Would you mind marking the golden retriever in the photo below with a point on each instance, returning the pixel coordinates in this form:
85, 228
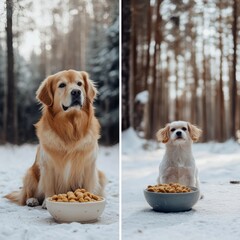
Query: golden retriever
68, 134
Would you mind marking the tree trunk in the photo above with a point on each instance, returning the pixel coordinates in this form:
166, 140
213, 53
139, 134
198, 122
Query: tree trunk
157, 88
11, 116
204, 101
150, 130
234, 81
221, 95
195, 110
133, 62
126, 20
149, 34
176, 49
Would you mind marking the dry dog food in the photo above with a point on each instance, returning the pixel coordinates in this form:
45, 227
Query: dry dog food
79, 195
169, 188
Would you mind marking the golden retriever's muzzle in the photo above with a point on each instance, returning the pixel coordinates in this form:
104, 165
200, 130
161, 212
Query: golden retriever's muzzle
75, 99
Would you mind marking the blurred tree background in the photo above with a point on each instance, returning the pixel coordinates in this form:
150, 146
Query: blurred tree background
183, 65
39, 38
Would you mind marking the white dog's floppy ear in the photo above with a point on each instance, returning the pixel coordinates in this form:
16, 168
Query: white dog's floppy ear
90, 88
45, 93
163, 134
194, 132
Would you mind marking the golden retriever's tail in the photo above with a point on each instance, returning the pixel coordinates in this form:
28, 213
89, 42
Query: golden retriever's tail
30, 184
15, 197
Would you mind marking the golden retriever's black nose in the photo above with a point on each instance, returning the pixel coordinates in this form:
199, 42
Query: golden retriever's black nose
75, 92
179, 134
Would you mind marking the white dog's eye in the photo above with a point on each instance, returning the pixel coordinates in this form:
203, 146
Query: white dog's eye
79, 84
184, 129
173, 129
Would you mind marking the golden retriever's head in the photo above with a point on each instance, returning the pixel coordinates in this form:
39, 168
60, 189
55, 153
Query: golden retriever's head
67, 91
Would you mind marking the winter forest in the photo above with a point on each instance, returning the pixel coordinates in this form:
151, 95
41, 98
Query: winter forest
180, 62
40, 38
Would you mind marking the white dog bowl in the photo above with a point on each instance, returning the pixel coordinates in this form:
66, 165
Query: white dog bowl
75, 211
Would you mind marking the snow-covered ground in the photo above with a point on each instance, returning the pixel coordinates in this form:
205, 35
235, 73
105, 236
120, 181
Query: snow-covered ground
18, 222
217, 216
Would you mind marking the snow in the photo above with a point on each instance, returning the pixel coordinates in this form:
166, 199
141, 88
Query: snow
142, 97
17, 222
216, 216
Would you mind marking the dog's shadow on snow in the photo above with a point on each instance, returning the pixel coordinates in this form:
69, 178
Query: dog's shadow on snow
147, 210
47, 221
165, 219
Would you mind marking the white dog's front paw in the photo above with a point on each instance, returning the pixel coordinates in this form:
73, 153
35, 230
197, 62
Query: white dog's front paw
32, 202
44, 204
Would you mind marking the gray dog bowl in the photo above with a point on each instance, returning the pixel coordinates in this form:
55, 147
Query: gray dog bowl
172, 202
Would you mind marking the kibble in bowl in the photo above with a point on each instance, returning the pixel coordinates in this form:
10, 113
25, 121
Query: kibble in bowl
77, 206
169, 188
173, 197
79, 195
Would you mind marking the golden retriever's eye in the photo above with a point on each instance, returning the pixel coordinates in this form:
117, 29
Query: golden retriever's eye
184, 129
62, 85
173, 129
79, 84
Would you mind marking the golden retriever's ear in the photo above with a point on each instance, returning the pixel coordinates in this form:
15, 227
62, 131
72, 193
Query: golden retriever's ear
45, 93
90, 88
163, 134
194, 132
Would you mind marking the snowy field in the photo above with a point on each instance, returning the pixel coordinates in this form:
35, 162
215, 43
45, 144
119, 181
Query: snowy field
217, 216
17, 223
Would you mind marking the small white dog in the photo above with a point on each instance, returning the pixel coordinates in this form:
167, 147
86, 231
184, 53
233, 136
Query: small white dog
178, 164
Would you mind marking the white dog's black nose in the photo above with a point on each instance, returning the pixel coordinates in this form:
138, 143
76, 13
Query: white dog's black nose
179, 134
75, 92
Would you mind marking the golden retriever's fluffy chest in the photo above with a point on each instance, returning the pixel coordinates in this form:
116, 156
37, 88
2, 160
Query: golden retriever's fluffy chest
69, 170
53, 141
70, 162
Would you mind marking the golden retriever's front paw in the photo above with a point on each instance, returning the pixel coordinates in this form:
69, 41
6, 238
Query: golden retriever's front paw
32, 202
